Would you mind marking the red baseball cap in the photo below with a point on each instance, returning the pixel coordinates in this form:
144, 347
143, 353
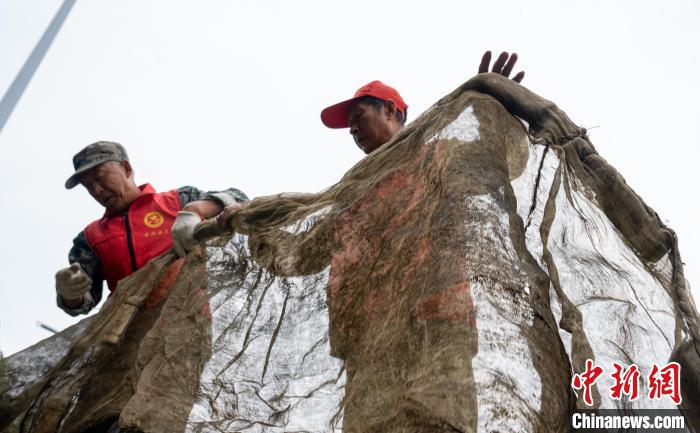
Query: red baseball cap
336, 116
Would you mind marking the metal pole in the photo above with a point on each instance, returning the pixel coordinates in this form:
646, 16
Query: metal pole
14, 93
47, 327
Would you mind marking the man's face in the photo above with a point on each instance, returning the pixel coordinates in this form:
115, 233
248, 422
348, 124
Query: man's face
111, 184
370, 127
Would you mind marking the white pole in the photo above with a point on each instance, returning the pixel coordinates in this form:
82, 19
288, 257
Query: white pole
16, 89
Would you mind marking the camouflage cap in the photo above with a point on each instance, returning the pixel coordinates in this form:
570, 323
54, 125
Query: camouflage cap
94, 155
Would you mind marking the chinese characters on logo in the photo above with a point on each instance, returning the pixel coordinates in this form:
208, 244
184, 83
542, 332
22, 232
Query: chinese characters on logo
665, 382
661, 382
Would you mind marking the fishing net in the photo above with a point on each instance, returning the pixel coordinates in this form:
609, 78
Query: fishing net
453, 280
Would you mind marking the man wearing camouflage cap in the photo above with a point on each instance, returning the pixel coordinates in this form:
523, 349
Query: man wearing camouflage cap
138, 224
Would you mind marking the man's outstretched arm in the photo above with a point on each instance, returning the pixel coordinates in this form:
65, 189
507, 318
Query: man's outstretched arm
198, 205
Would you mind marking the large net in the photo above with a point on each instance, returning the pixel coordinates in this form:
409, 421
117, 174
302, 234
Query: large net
453, 280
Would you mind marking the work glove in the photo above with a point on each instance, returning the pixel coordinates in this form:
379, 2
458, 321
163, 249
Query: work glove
72, 283
183, 232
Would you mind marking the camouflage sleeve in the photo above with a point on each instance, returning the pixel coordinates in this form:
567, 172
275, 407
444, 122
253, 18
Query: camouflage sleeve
226, 197
91, 265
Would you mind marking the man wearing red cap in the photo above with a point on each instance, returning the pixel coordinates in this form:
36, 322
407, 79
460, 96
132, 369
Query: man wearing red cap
374, 115
377, 112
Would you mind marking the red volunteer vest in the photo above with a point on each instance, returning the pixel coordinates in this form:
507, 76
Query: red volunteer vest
125, 242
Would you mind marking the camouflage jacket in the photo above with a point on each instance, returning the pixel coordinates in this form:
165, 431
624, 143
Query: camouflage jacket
82, 253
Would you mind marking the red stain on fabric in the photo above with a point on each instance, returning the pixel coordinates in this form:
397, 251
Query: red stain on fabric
368, 234
167, 279
453, 303
204, 299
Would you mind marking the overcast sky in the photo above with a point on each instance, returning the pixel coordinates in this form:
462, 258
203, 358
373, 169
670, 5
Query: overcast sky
223, 93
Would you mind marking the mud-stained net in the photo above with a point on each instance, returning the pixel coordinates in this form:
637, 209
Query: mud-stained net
451, 281
270, 368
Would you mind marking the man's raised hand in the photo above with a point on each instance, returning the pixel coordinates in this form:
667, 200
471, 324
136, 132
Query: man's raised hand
504, 65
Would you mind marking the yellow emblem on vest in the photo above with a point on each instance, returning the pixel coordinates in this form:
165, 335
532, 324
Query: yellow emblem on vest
153, 219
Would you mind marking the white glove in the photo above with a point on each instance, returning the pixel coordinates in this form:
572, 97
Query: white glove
72, 283
183, 232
